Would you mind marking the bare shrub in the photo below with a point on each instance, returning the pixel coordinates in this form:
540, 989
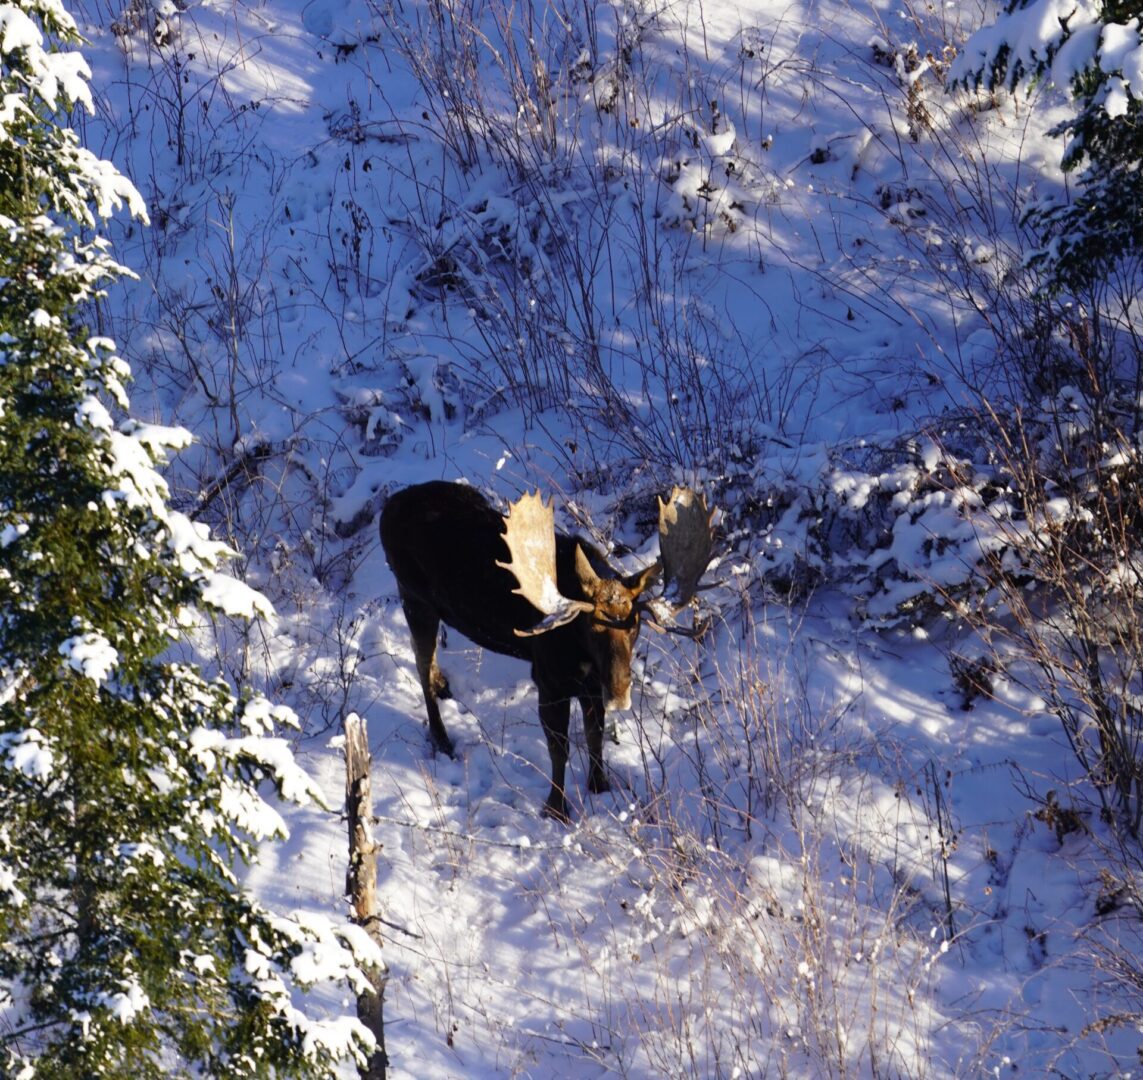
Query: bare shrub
809, 925
1067, 587
1043, 465
615, 174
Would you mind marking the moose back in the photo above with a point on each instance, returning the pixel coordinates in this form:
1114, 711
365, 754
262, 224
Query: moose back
512, 585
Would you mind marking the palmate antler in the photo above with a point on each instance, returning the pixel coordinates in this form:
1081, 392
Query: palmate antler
530, 535
685, 541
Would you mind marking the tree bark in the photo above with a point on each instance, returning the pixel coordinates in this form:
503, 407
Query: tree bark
361, 884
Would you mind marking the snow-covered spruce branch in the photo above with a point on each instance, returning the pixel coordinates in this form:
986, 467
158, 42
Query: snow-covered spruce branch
130, 785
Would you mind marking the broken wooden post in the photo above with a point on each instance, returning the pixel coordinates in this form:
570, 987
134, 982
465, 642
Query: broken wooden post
361, 884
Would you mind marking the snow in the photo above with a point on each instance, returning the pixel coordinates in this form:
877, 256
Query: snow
813, 856
1076, 54
91, 654
27, 752
8, 886
17, 31
142, 850
125, 1004
362, 945
235, 598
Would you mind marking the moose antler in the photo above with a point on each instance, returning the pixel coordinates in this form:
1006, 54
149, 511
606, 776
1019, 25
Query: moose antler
530, 535
685, 543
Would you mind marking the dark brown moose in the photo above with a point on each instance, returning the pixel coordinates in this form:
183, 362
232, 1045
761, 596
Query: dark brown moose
513, 585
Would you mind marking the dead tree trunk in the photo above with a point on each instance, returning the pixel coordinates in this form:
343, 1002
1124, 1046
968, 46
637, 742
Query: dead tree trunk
361, 884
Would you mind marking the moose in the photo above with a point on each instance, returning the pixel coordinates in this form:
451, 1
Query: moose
513, 585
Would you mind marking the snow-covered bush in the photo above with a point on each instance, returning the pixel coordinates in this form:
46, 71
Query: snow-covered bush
131, 785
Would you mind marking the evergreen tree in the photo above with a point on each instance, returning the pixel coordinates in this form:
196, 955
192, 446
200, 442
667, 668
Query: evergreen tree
1096, 49
129, 783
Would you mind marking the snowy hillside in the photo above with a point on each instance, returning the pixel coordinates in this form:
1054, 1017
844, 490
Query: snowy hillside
756, 248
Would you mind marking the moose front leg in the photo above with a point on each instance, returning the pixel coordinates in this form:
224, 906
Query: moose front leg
554, 716
593, 726
423, 626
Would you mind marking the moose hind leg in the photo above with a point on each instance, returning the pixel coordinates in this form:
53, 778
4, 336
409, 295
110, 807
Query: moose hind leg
593, 726
554, 717
423, 627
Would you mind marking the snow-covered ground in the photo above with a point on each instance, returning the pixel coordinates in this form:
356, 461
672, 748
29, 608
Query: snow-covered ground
724, 249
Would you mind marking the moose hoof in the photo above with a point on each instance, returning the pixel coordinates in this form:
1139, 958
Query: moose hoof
597, 783
441, 744
557, 808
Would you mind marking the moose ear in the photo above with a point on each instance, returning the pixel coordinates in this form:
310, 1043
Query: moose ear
588, 578
641, 580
